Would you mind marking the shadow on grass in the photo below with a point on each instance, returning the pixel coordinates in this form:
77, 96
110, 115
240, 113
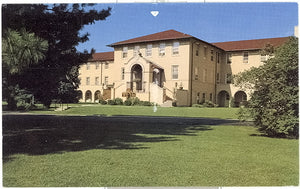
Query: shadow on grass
45, 134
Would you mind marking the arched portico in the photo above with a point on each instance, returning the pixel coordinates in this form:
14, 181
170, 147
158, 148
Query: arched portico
88, 96
97, 96
223, 99
79, 95
239, 98
136, 78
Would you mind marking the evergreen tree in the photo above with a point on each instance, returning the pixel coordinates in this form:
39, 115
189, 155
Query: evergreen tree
59, 25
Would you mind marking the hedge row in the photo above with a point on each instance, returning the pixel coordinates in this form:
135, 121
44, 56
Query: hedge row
129, 102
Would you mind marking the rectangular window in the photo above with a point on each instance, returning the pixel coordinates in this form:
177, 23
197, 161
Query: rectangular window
205, 52
149, 50
229, 57
228, 78
176, 48
210, 96
175, 72
87, 81
162, 48
106, 66
106, 80
263, 58
205, 75
96, 80
125, 52
245, 57
122, 73
136, 50
218, 57
197, 52
88, 66
203, 96
196, 73
97, 66
212, 55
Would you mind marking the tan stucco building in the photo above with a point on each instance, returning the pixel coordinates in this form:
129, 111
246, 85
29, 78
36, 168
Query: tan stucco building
171, 66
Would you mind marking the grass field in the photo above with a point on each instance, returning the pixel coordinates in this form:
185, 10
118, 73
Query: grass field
56, 151
96, 109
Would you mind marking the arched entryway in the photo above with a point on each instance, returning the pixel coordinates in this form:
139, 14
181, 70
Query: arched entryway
136, 77
79, 95
223, 99
97, 96
88, 96
239, 98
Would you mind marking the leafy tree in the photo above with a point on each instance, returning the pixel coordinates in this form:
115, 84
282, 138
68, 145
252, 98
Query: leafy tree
274, 101
19, 51
59, 24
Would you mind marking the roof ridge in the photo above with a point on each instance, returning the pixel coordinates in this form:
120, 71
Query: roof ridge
251, 39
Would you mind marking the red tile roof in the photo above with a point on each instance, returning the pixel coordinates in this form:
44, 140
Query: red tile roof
104, 56
251, 44
165, 35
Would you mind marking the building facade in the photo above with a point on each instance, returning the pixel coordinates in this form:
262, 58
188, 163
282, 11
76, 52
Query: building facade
171, 66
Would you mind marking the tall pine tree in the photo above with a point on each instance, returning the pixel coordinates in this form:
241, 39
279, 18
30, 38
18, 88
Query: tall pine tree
59, 25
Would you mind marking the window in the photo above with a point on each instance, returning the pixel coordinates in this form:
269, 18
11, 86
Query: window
106, 66
88, 66
203, 96
210, 96
196, 73
212, 55
96, 80
125, 52
229, 57
97, 66
122, 73
136, 50
87, 81
263, 58
245, 58
106, 80
162, 47
176, 48
149, 50
205, 75
218, 77
205, 51
175, 72
218, 57
197, 52
228, 78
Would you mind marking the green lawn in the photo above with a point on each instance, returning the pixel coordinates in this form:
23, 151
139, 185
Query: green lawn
96, 109
56, 151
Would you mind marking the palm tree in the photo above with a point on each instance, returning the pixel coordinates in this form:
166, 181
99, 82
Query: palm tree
20, 49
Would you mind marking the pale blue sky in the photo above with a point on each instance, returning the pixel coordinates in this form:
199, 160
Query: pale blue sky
211, 22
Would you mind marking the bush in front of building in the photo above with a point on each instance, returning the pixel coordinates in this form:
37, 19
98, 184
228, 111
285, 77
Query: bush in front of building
111, 102
119, 101
198, 106
103, 102
205, 104
146, 103
135, 101
127, 102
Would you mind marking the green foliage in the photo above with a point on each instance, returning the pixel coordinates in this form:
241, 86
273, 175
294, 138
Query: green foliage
198, 106
146, 103
274, 104
127, 102
111, 102
134, 101
119, 101
60, 26
103, 102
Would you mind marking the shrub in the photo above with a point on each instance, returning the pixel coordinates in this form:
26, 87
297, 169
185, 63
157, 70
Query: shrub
119, 101
209, 104
135, 101
103, 102
111, 102
197, 105
127, 102
174, 103
146, 103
